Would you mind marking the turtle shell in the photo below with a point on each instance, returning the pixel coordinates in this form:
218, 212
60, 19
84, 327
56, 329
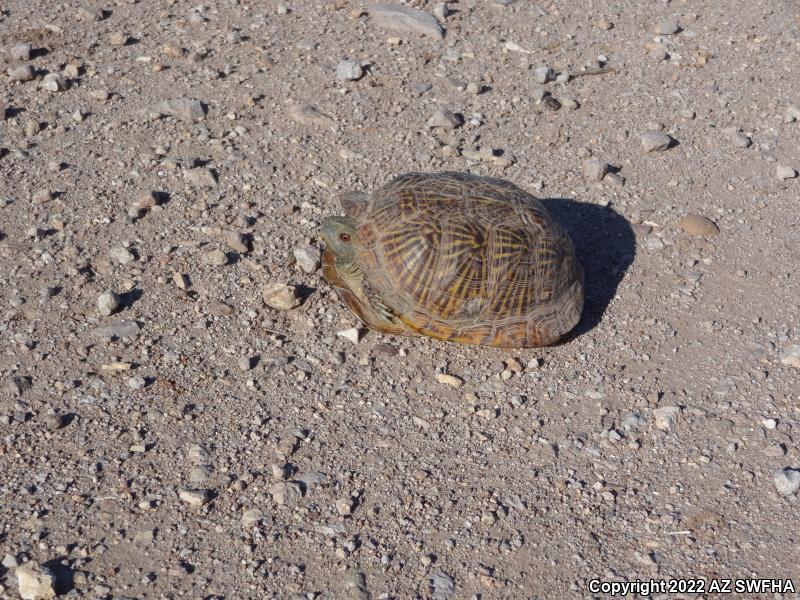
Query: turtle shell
470, 259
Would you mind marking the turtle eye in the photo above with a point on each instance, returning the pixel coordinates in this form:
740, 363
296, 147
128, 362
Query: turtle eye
345, 237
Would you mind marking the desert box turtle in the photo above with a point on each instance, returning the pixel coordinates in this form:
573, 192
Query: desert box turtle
456, 257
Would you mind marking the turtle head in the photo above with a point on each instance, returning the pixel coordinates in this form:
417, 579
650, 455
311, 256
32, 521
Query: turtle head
340, 235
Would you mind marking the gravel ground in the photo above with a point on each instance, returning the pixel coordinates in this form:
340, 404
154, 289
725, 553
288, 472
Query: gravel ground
165, 433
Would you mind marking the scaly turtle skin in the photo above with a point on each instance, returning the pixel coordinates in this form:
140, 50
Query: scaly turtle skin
456, 257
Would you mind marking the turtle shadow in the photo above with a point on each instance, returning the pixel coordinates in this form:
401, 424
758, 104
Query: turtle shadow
605, 245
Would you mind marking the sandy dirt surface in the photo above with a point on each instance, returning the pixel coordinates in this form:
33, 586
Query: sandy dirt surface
165, 434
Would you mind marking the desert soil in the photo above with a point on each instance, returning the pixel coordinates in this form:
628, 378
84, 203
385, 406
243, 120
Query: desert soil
164, 433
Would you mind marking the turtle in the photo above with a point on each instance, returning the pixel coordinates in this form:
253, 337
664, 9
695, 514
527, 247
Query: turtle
456, 257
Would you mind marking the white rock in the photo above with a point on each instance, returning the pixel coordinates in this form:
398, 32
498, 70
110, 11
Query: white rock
445, 119
450, 380
280, 296
215, 258
787, 481
121, 255
107, 303
348, 70
655, 141
665, 417
186, 109
666, 27
308, 258
769, 423
35, 582
543, 74
353, 334
403, 18
53, 82
286, 493
344, 506
785, 172
194, 497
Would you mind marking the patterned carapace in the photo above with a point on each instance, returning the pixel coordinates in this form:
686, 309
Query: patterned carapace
460, 258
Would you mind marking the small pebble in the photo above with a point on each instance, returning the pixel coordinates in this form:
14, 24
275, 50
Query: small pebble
655, 141
543, 74
787, 481
22, 73
252, 517
450, 380
107, 303
666, 27
245, 363
21, 52
201, 177
236, 240
286, 493
791, 356
280, 296
445, 119
353, 334
53, 82
344, 506
307, 258
698, 225
194, 497
215, 258
594, 169
348, 70
121, 255
118, 39
665, 417
785, 172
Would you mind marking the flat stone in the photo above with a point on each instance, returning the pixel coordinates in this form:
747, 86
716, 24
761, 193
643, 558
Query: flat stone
186, 109
355, 586
236, 240
194, 497
201, 177
353, 334
280, 296
397, 17
35, 582
785, 172
450, 380
442, 586
787, 481
655, 141
122, 329
307, 114
252, 517
698, 225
